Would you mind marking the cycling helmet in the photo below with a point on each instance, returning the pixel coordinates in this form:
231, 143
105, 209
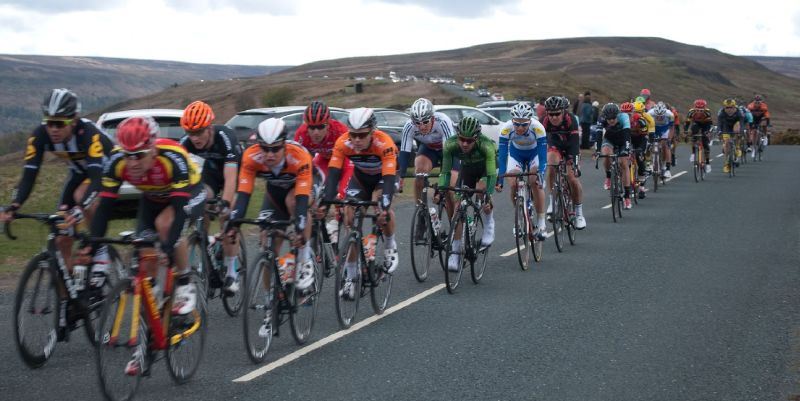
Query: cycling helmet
554, 103
421, 110
61, 103
640, 99
645, 92
270, 131
136, 133
757, 98
522, 111
638, 107
610, 110
361, 118
196, 116
728, 103
317, 113
566, 102
700, 104
660, 109
469, 127
626, 107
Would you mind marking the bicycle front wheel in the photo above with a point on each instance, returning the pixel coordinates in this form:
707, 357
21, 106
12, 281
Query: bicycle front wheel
558, 221
656, 170
233, 302
258, 327
36, 310
187, 335
521, 234
198, 260
121, 359
304, 306
614, 193
380, 279
478, 258
421, 244
348, 284
453, 278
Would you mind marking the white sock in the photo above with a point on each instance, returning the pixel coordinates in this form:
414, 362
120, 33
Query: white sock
304, 253
541, 224
457, 245
230, 263
579, 209
390, 242
550, 200
489, 218
351, 270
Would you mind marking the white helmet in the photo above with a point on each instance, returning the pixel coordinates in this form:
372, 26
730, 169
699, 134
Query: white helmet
522, 110
270, 131
361, 118
421, 110
660, 109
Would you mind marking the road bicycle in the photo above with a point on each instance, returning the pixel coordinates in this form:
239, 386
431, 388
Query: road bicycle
699, 156
51, 302
563, 217
528, 243
467, 219
730, 154
617, 190
656, 162
432, 243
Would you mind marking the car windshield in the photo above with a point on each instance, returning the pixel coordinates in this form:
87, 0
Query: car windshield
482, 117
250, 121
391, 118
170, 127
500, 114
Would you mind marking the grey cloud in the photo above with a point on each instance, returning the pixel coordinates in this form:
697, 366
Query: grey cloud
51, 6
459, 8
272, 7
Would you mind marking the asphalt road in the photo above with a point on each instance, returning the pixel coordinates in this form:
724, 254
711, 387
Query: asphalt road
691, 297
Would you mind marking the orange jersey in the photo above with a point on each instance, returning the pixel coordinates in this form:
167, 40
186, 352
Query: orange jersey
294, 172
380, 158
758, 111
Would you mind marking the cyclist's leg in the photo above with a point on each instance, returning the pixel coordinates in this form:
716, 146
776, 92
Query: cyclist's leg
304, 275
665, 148
572, 152
553, 158
426, 160
514, 166
66, 201
390, 256
537, 190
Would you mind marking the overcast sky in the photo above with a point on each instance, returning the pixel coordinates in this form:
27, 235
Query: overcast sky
290, 32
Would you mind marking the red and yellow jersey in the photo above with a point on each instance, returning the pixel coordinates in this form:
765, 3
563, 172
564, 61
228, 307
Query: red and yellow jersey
295, 170
173, 173
699, 116
758, 111
380, 158
642, 123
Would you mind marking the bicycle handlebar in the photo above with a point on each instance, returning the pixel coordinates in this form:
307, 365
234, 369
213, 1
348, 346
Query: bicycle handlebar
348, 202
463, 190
48, 218
509, 175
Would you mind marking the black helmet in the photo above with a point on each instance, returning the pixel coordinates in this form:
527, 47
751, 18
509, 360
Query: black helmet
61, 103
554, 103
610, 110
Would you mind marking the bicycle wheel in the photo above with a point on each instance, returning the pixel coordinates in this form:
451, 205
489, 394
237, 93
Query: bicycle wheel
187, 338
36, 310
95, 298
614, 192
422, 247
198, 260
442, 240
477, 260
347, 306
453, 279
521, 234
258, 329
696, 166
379, 279
232, 303
116, 349
304, 306
558, 221
570, 217
656, 170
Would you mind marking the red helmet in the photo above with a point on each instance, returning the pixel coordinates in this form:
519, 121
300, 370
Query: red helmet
645, 92
317, 113
136, 133
196, 116
700, 104
626, 107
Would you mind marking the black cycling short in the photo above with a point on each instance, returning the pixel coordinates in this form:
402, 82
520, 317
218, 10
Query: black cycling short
470, 174
362, 186
150, 208
565, 143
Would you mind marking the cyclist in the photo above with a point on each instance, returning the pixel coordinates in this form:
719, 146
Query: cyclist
616, 139
85, 148
747, 121
374, 156
649, 103
287, 168
664, 123
758, 108
729, 120
642, 127
523, 146
217, 146
562, 139
430, 129
677, 131
171, 198
477, 154
699, 117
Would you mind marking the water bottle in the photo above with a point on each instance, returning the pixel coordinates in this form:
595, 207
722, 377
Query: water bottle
79, 276
286, 265
435, 220
369, 246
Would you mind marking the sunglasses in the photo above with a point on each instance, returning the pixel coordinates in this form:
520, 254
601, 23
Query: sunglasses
359, 135
554, 114
317, 127
516, 124
466, 140
272, 149
57, 123
137, 155
423, 122
196, 133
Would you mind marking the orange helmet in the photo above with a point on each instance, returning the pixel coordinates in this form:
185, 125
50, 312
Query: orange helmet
196, 116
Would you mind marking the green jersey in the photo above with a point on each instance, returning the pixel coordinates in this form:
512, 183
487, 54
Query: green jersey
483, 153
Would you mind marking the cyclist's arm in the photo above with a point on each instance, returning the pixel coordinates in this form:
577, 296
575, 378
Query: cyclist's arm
34, 153
389, 173
502, 155
490, 152
302, 189
95, 155
247, 177
406, 146
651, 123
447, 164
335, 165
108, 195
541, 144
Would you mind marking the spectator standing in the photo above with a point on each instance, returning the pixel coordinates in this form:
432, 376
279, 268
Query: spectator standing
586, 115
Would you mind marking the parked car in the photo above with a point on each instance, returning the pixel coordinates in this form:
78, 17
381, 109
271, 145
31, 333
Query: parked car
245, 123
391, 121
490, 126
500, 113
500, 103
483, 92
497, 96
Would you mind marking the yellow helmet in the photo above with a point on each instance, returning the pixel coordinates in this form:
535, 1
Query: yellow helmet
638, 107
729, 103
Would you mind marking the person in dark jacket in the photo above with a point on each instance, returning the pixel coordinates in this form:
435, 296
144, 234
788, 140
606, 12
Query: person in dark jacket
586, 115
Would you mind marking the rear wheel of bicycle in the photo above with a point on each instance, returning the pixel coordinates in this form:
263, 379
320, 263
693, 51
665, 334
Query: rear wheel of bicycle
379, 279
233, 302
305, 304
421, 247
478, 263
558, 222
116, 349
696, 166
521, 234
187, 338
346, 306
453, 278
36, 310
257, 329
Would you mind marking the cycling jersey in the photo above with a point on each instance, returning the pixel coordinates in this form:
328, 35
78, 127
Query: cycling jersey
726, 122
697, 116
662, 123
483, 155
378, 159
747, 116
758, 111
617, 135
294, 172
85, 152
323, 150
564, 136
224, 151
522, 148
442, 130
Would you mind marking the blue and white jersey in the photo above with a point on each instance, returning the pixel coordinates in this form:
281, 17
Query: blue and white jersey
443, 128
665, 119
533, 143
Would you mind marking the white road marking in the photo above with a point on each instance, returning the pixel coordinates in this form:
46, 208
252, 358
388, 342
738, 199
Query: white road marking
607, 206
513, 251
335, 336
720, 155
676, 176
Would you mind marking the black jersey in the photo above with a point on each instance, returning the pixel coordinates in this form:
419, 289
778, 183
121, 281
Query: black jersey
223, 151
